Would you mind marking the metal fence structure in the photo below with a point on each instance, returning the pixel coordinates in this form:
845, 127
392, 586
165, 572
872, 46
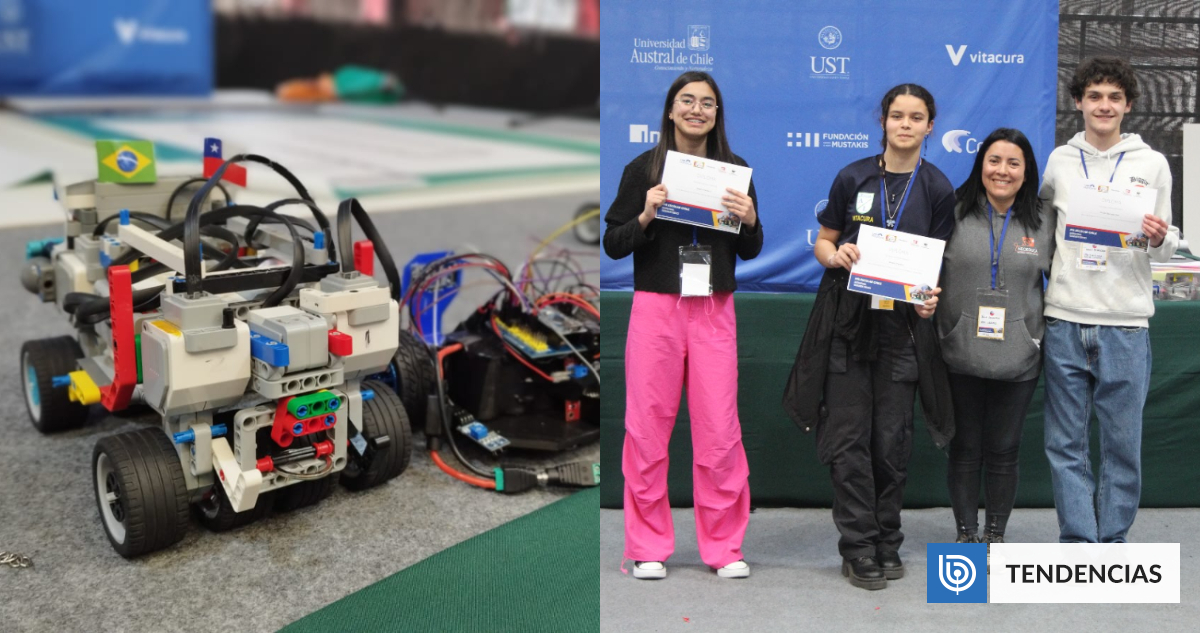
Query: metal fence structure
1161, 39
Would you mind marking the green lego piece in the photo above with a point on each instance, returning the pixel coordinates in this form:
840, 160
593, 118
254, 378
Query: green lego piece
313, 404
137, 344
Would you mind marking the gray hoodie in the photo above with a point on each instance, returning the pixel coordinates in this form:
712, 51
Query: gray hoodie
1121, 294
1025, 257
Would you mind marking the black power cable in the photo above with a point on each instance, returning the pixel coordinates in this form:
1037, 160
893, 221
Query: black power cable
351, 207
191, 245
184, 185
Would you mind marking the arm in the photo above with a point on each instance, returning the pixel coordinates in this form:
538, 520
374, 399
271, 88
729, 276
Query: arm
630, 214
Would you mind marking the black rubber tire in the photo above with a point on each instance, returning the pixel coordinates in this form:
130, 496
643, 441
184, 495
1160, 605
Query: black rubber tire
304, 494
41, 360
150, 498
415, 378
588, 231
382, 415
216, 513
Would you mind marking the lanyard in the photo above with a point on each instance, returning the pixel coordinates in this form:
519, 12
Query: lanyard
694, 241
993, 247
1110, 177
903, 201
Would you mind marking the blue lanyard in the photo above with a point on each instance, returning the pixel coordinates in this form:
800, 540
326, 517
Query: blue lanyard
694, 242
903, 201
993, 247
1110, 177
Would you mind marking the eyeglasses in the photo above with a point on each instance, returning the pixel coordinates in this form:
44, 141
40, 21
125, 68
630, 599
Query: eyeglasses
688, 102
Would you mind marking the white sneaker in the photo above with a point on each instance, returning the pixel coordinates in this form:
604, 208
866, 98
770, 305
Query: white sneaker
736, 569
649, 570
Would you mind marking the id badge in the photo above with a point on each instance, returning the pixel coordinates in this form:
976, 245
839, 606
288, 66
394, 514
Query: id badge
1092, 257
993, 305
880, 303
990, 323
695, 270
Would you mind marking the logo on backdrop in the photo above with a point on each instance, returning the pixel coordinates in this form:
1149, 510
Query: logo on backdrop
979, 57
642, 134
673, 54
956, 141
830, 37
954, 572
829, 66
820, 207
833, 140
10, 11
13, 39
130, 31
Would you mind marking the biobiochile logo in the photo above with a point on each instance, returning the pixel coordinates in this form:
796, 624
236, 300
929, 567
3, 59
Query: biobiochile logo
957, 573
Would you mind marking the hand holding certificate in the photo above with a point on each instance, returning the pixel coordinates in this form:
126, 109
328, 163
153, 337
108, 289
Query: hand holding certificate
896, 265
1105, 214
695, 187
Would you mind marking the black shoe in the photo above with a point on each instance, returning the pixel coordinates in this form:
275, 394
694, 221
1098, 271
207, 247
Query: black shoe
890, 563
967, 537
864, 572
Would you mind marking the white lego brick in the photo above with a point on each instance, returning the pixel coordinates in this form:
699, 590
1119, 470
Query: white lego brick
202, 449
343, 300
151, 245
178, 381
241, 486
80, 201
374, 344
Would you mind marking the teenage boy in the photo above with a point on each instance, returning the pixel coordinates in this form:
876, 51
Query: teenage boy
1098, 305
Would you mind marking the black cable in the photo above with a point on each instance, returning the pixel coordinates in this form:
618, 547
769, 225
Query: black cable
444, 409
253, 224
191, 246
181, 187
350, 207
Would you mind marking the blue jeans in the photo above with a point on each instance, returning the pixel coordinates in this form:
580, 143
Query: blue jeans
1107, 368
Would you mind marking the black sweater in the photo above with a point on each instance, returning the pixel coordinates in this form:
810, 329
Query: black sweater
656, 250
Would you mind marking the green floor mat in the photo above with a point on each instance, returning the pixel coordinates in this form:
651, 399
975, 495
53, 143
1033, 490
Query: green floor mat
535, 573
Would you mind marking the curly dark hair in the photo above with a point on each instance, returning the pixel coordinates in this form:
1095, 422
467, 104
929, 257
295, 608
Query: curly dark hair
1098, 70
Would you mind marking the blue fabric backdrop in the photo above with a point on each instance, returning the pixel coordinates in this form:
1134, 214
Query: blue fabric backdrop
802, 83
109, 47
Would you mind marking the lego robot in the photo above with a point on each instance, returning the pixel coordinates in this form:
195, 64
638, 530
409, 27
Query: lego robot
241, 330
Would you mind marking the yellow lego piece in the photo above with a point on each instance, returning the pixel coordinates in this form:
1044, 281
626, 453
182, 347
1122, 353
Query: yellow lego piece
83, 390
167, 327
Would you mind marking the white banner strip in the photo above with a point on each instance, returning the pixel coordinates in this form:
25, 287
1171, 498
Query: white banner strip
1085, 572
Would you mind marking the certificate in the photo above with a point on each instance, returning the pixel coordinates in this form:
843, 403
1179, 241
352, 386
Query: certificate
1106, 214
695, 187
896, 265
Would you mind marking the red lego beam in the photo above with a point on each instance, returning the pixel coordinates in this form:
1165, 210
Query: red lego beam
116, 396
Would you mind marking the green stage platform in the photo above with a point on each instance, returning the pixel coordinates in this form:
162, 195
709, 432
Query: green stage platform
534, 573
784, 470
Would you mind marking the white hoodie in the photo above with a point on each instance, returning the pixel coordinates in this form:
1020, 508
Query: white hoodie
1121, 294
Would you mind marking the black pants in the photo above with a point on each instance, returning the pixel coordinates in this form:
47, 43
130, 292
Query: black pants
866, 437
988, 415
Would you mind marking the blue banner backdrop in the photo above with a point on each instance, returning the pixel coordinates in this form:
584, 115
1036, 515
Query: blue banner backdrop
113, 47
802, 82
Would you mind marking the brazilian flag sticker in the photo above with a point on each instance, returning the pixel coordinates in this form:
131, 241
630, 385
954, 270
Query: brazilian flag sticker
125, 161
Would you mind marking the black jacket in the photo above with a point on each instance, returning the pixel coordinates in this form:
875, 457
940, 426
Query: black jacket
656, 250
840, 312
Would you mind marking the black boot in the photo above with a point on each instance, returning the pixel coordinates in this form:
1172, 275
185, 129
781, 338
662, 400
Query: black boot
966, 534
890, 563
993, 533
864, 572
